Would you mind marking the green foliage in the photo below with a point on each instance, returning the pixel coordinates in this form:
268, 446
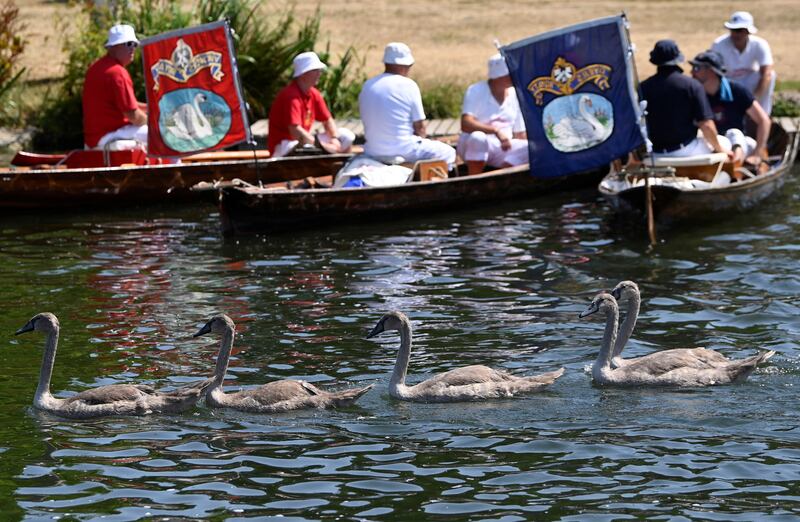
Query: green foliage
442, 101
786, 106
341, 83
11, 46
265, 46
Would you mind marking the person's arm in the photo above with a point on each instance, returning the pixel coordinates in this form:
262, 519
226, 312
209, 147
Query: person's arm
470, 123
300, 134
709, 130
763, 124
763, 82
333, 132
137, 117
419, 129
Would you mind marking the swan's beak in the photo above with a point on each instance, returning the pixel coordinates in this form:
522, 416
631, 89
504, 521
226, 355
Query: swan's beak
377, 330
589, 311
27, 328
616, 293
204, 330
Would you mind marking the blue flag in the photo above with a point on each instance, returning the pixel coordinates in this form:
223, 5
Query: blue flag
576, 90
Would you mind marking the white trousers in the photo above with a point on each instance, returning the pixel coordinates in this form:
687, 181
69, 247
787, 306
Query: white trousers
128, 132
416, 149
696, 147
346, 138
479, 146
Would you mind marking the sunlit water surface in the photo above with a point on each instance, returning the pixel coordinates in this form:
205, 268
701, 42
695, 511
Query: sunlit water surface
499, 286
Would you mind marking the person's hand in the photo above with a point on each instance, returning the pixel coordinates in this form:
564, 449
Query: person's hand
336, 144
753, 159
505, 141
728, 153
738, 154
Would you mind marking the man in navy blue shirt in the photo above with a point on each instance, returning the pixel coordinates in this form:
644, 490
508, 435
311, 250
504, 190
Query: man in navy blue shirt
677, 107
730, 101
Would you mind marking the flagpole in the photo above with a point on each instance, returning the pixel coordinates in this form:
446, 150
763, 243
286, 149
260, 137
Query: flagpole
648, 193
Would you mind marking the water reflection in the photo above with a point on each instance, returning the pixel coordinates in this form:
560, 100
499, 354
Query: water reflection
501, 288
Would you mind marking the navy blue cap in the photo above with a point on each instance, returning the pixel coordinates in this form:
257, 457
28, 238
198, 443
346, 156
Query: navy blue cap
711, 59
666, 52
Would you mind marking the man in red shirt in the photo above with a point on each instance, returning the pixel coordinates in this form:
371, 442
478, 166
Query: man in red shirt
297, 106
110, 109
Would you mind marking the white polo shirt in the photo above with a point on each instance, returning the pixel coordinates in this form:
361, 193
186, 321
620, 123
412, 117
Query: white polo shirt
389, 105
479, 102
744, 66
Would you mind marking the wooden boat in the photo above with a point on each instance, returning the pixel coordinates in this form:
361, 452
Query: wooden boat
43, 185
700, 188
251, 209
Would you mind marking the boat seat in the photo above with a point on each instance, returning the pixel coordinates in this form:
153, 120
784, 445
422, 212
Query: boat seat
704, 167
689, 161
430, 170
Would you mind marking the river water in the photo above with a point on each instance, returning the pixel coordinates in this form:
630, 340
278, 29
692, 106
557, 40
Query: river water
499, 286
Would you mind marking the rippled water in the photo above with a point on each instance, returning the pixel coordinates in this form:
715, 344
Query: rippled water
500, 286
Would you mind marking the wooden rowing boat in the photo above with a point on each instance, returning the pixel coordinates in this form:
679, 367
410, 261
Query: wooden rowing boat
46, 187
681, 192
251, 209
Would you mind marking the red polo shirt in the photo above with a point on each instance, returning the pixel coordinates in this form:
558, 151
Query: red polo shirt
294, 107
107, 96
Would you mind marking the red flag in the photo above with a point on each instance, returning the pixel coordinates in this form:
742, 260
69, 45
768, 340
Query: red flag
194, 98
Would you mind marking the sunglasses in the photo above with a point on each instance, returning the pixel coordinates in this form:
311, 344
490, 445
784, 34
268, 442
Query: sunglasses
696, 68
131, 44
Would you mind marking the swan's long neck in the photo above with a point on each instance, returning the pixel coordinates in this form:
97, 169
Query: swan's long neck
587, 115
403, 356
48, 361
603, 361
223, 357
627, 326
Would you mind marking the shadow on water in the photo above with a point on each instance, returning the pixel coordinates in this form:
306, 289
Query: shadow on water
500, 286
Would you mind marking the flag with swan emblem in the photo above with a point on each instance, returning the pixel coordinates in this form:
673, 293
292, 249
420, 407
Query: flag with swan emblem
194, 97
576, 88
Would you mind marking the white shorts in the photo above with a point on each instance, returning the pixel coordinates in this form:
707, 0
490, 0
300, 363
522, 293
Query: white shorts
128, 132
346, 138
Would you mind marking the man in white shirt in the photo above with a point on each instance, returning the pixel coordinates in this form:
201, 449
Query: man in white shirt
394, 120
748, 58
492, 128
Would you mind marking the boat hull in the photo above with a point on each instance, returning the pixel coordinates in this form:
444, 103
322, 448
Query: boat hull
119, 187
252, 210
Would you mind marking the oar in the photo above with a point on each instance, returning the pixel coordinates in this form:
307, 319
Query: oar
651, 226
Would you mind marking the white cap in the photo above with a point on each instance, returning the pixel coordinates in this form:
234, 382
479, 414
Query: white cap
741, 20
497, 67
120, 34
397, 53
308, 61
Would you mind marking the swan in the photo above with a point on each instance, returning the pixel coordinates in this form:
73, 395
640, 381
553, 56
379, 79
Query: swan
664, 368
273, 397
461, 384
630, 291
190, 122
580, 131
116, 399
695, 357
